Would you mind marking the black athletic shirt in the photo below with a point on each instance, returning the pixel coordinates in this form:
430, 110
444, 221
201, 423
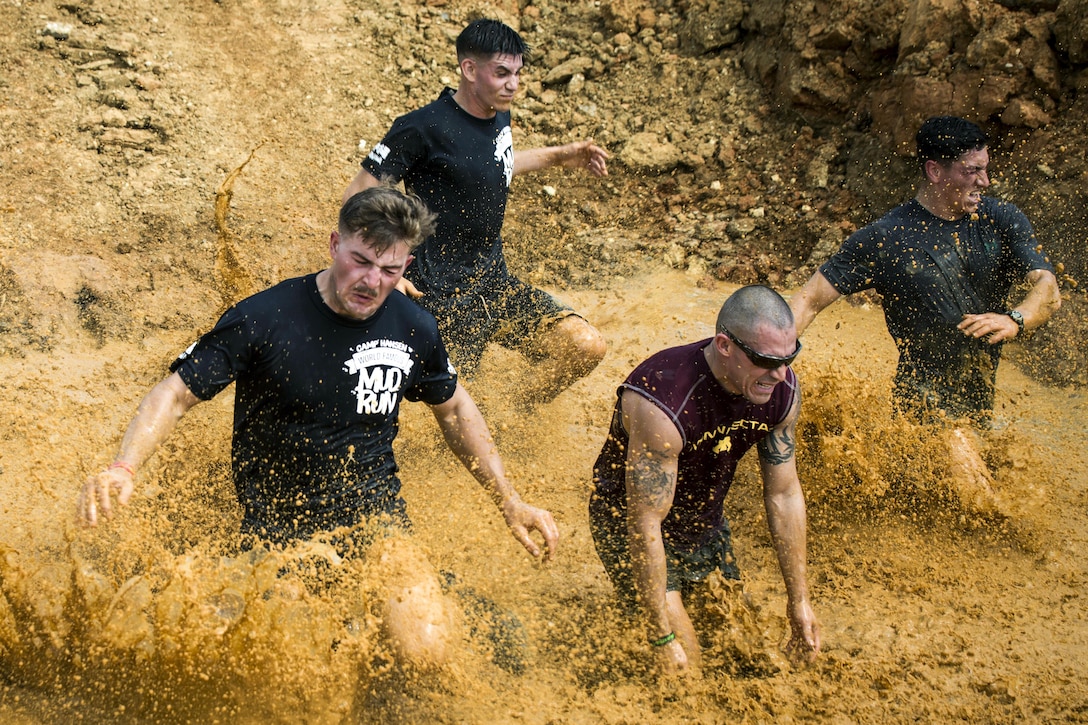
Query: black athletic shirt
931, 272
316, 402
461, 167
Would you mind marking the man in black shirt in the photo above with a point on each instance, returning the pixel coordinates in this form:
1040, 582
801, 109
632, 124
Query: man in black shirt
944, 264
321, 364
457, 154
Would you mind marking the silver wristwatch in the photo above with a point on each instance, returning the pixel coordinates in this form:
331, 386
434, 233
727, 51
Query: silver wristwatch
1018, 319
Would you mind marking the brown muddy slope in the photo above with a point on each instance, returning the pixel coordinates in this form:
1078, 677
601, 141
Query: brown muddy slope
746, 145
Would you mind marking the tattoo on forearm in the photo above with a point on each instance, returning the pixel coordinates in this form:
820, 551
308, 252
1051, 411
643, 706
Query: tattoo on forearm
653, 483
777, 447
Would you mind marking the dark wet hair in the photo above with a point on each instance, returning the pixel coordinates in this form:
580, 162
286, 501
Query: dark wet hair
484, 38
945, 138
751, 307
384, 216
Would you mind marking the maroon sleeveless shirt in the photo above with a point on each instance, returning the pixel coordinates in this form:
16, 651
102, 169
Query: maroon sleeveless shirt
717, 428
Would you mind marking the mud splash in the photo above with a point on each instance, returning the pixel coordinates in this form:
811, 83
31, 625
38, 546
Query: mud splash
196, 637
931, 610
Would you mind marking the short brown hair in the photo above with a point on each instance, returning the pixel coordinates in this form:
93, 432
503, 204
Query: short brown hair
384, 216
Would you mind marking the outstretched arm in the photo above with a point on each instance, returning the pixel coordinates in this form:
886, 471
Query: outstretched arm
156, 417
652, 462
811, 299
467, 435
1041, 301
784, 502
579, 154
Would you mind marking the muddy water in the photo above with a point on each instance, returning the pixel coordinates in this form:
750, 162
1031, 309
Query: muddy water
930, 611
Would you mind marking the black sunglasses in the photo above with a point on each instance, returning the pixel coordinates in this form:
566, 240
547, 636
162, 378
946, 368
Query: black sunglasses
767, 362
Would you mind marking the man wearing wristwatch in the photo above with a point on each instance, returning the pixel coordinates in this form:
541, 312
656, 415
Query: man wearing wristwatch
682, 421
944, 263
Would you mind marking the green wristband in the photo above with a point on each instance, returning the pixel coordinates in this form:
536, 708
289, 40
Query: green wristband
664, 640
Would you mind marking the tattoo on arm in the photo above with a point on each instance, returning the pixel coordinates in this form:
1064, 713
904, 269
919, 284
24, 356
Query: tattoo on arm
652, 482
778, 446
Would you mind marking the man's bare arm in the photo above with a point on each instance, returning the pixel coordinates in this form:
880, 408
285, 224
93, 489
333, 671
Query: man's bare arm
467, 435
784, 502
811, 299
1041, 301
155, 419
579, 154
652, 462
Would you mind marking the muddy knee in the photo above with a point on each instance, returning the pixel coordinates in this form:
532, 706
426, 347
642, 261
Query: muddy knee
968, 474
419, 624
579, 342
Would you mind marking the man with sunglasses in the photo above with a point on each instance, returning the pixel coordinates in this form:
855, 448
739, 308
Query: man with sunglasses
944, 263
682, 421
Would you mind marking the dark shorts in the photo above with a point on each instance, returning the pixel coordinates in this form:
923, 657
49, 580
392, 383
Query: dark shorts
348, 541
347, 537
684, 569
961, 389
510, 313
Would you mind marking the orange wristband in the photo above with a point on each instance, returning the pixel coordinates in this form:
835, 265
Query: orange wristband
123, 466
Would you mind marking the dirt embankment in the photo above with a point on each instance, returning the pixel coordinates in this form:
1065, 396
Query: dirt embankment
748, 141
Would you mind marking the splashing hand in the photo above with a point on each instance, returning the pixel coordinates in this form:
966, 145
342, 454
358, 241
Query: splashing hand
586, 155
523, 518
95, 496
671, 660
804, 642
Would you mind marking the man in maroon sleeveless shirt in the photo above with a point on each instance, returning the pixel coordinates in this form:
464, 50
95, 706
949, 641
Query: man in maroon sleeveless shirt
683, 419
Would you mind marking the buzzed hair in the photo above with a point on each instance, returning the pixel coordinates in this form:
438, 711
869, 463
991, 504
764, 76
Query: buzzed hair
384, 216
485, 37
945, 138
752, 307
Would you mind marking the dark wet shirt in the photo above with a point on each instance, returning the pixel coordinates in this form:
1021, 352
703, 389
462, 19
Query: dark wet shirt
716, 428
461, 167
931, 272
316, 402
